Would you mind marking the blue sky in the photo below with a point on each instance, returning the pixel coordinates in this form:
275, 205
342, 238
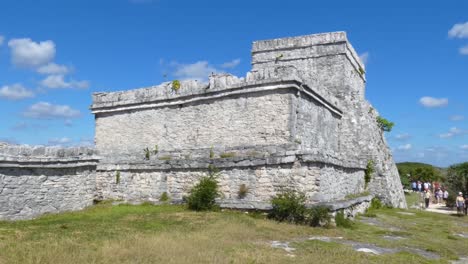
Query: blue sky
54, 54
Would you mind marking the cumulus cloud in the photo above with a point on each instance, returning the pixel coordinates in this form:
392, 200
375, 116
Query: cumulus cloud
230, 64
59, 141
27, 53
404, 147
199, 70
2, 38
44, 110
454, 131
364, 57
456, 118
463, 50
403, 136
53, 68
15, 92
459, 30
432, 102
58, 82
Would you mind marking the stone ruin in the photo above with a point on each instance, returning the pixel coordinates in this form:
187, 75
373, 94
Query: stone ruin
299, 120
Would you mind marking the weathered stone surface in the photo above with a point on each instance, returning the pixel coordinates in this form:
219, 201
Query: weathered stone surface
299, 120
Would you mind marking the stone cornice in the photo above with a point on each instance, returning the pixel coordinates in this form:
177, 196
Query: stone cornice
210, 94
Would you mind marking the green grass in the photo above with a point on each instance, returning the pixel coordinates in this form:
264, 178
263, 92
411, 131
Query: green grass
171, 234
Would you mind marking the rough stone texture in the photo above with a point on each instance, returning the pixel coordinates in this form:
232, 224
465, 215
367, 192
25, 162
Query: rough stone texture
262, 182
38, 180
299, 119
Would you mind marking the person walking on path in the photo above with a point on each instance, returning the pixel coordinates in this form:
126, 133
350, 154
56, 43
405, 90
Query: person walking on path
466, 204
439, 196
427, 197
460, 203
446, 194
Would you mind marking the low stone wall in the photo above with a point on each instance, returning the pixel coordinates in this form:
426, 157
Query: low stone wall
264, 177
39, 180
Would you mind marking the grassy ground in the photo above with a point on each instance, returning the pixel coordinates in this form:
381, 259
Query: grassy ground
171, 234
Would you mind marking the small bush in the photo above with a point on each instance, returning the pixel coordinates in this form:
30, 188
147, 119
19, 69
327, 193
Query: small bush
341, 221
370, 169
375, 204
243, 190
203, 194
384, 124
164, 197
288, 206
175, 85
319, 216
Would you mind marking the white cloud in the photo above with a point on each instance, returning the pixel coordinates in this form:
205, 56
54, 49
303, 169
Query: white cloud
457, 118
27, 53
68, 123
59, 141
2, 38
53, 68
403, 136
432, 102
464, 147
463, 50
459, 30
231, 64
199, 70
454, 131
364, 57
404, 147
58, 82
15, 92
44, 110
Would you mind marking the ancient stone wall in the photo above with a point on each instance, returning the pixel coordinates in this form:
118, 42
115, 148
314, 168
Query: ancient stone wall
299, 120
39, 180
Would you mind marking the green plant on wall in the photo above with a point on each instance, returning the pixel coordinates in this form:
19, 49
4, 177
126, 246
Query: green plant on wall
279, 57
117, 177
156, 149
361, 71
175, 85
147, 153
370, 169
384, 124
212, 154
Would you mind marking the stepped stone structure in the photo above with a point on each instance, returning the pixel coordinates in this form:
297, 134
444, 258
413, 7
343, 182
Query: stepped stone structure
299, 120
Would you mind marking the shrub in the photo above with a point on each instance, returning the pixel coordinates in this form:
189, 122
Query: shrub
243, 190
375, 204
341, 221
319, 216
288, 206
164, 197
370, 169
203, 194
175, 85
384, 124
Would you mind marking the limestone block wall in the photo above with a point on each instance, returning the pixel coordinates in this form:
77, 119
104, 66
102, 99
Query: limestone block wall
320, 183
260, 119
39, 180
